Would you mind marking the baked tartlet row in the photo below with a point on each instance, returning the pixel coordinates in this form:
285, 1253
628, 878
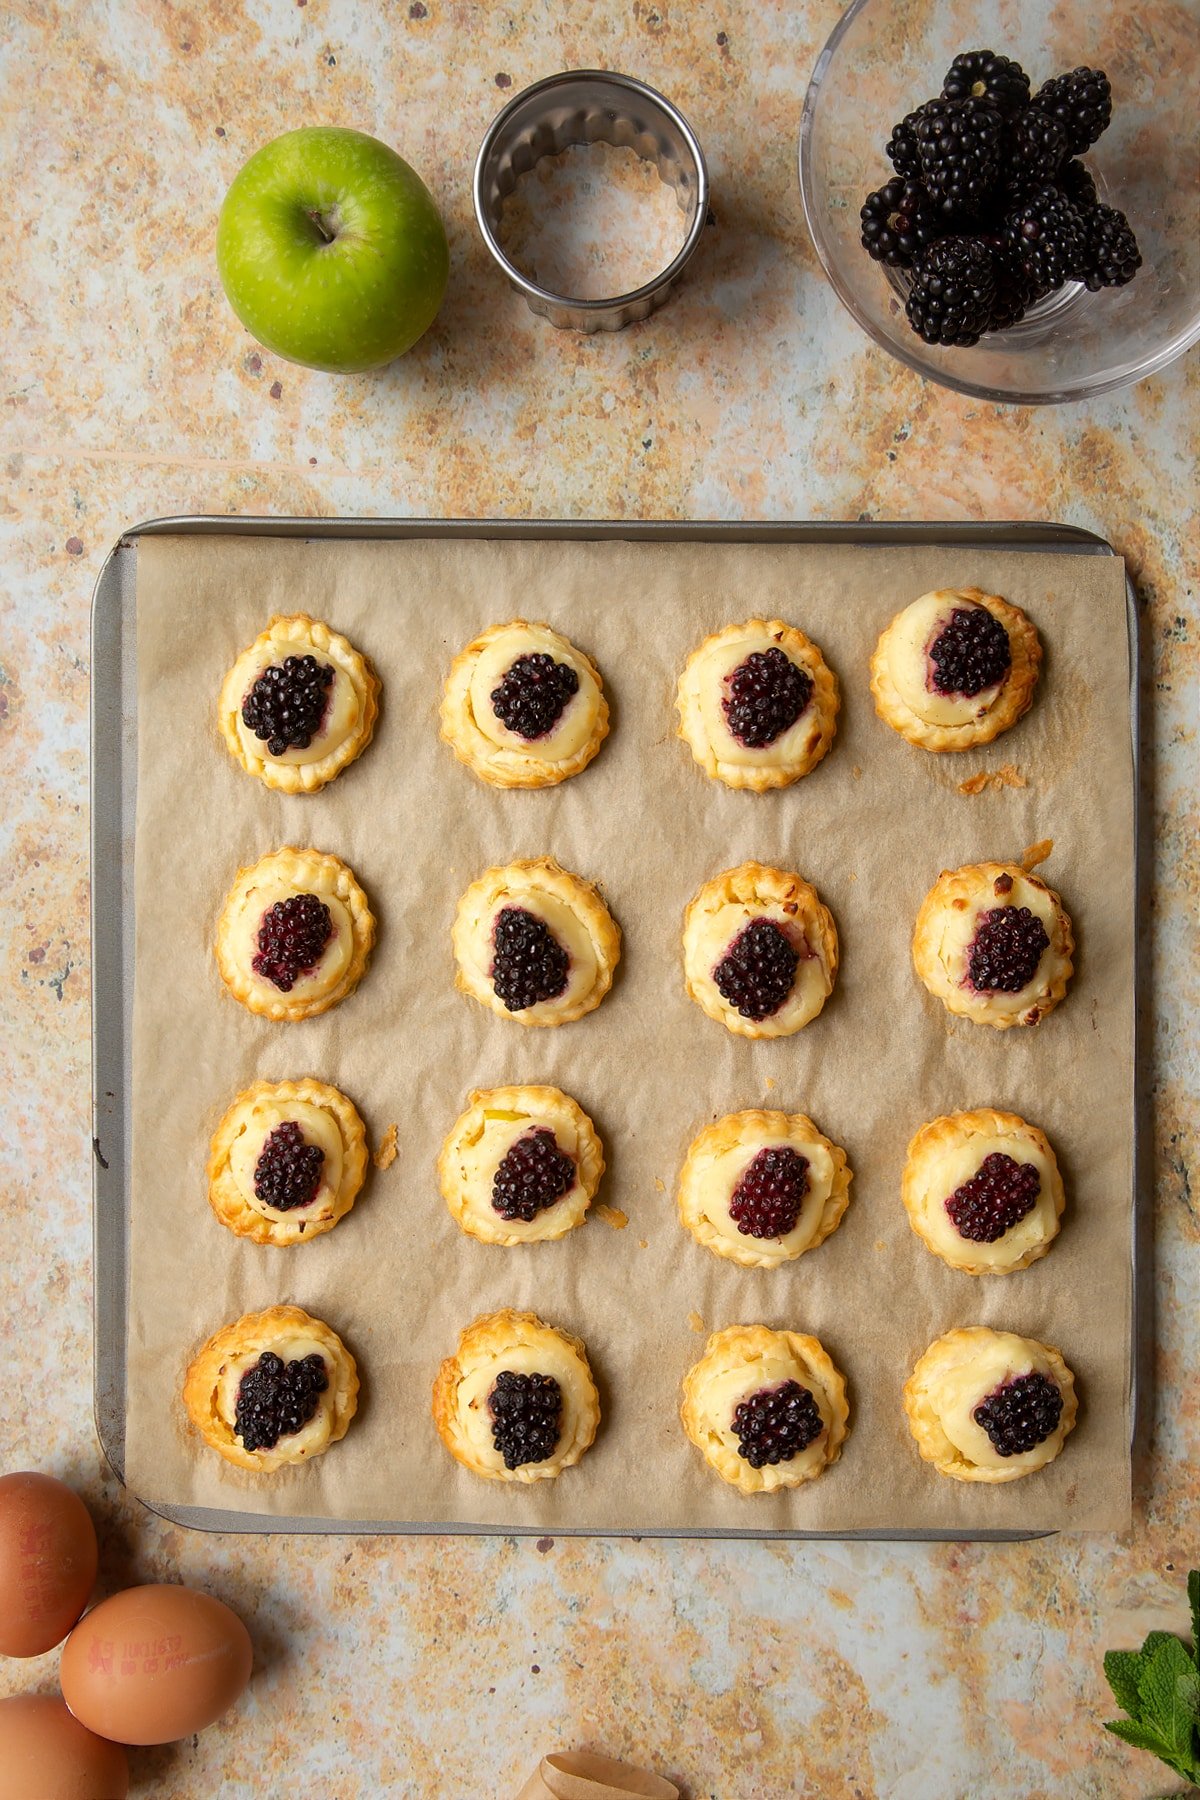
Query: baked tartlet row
523, 707
522, 1165
516, 1402
535, 943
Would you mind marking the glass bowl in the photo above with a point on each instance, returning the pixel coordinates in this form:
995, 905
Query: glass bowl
888, 56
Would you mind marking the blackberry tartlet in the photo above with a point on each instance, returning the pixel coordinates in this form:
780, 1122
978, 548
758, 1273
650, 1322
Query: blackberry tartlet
757, 705
535, 943
989, 1406
298, 705
274, 1388
955, 669
760, 951
295, 934
761, 1188
516, 1402
766, 1409
287, 1162
994, 944
983, 1191
521, 1165
523, 708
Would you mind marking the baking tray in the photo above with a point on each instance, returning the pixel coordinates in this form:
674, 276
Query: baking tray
113, 812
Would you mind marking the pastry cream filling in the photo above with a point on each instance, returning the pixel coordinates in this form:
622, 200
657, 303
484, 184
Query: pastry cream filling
949, 1168
244, 929
910, 639
565, 926
959, 925
707, 680
343, 707
725, 1389
316, 1126
959, 1391
483, 1152
311, 1437
720, 1177
716, 933
577, 718
474, 1414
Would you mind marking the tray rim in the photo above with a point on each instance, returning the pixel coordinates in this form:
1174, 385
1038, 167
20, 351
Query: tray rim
111, 917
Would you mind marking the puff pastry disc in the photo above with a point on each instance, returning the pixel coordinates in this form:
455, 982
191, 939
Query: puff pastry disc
903, 673
1016, 1161
486, 676
954, 1377
519, 1343
210, 1390
325, 1120
743, 1361
278, 878
346, 726
805, 697
960, 912
724, 909
497, 1119
764, 1146
584, 951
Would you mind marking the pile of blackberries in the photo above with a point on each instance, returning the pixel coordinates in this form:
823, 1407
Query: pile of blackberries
988, 208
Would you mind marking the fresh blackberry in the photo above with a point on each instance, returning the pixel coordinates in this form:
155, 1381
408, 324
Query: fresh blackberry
767, 694
1008, 945
287, 703
533, 693
533, 1174
276, 1399
292, 939
528, 962
526, 1414
959, 143
1111, 256
1035, 149
982, 75
971, 652
1015, 293
1020, 1415
996, 1198
902, 151
1048, 237
898, 219
776, 1424
953, 291
288, 1171
1081, 101
756, 973
767, 1200
1075, 180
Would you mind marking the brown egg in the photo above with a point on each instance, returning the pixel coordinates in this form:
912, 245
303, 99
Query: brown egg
46, 1753
154, 1664
47, 1562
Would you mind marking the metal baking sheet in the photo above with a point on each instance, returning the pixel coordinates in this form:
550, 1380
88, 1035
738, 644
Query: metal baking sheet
113, 811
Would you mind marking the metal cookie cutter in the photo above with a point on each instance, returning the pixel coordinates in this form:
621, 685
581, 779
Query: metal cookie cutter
589, 106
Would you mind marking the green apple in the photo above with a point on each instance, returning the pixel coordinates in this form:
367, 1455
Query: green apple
331, 250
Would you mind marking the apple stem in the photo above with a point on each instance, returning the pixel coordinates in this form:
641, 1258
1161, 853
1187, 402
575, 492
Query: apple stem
318, 220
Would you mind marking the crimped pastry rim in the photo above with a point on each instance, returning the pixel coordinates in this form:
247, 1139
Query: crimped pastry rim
742, 1345
294, 864
476, 750
932, 1442
825, 701
747, 883
544, 1103
235, 1339
542, 873
230, 1205
951, 1127
739, 1128
969, 882
491, 1335
1014, 702
312, 634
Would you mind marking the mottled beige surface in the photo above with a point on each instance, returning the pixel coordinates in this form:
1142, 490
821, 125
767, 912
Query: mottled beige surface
441, 1671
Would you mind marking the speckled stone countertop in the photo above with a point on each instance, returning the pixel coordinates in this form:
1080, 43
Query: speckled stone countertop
441, 1670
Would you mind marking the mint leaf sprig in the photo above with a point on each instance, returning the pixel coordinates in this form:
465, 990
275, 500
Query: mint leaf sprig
1159, 1687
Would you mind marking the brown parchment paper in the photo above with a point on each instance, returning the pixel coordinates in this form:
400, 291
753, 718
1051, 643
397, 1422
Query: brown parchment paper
871, 827
581, 1775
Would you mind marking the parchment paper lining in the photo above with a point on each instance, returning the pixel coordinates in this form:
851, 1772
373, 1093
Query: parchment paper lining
871, 828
